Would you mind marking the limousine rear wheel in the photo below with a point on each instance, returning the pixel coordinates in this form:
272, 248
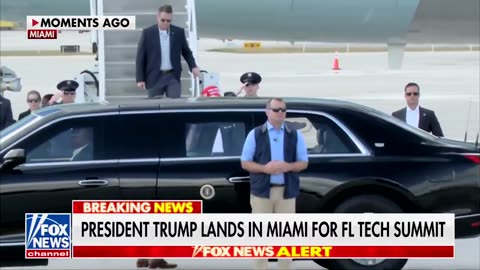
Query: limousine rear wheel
366, 204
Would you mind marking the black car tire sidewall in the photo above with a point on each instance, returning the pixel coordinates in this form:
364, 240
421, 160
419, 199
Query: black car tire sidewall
365, 204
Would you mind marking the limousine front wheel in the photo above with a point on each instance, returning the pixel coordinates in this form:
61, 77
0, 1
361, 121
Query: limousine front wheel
366, 204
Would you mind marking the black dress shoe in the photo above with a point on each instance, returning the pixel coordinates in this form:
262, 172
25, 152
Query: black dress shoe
161, 263
141, 263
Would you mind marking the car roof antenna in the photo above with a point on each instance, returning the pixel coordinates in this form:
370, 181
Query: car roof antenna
476, 140
468, 119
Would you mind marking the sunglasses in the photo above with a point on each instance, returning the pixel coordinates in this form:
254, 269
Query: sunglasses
68, 93
33, 100
414, 93
165, 20
279, 109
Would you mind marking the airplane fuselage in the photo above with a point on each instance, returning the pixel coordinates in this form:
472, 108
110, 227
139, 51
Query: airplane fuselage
346, 21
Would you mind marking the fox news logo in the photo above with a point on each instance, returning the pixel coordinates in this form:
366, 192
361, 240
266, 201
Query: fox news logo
47, 236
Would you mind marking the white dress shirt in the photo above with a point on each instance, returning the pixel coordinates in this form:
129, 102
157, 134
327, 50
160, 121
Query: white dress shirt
77, 151
218, 144
165, 50
413, 116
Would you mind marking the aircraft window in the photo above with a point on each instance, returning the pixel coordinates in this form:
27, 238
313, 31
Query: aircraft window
322, 136
214, 139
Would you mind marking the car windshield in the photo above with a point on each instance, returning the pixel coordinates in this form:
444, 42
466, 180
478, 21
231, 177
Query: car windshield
25, 121
17, 125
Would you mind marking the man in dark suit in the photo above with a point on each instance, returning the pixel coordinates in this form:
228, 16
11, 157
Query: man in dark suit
6, 115
418, 116
158, 66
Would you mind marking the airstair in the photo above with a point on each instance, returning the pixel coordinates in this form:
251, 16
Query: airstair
117, 49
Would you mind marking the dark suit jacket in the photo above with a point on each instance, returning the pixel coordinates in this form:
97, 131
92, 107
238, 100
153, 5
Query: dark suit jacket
6, 115
149, 54
428, 120
23, 114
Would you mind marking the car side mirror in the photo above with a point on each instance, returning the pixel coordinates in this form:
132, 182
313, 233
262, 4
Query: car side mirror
13, 158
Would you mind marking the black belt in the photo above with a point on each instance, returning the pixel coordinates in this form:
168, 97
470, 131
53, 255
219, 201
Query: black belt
277, 185
166, 71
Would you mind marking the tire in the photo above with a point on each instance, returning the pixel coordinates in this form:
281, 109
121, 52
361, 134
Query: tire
365, 204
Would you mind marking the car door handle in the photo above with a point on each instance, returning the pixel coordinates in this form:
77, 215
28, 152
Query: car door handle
239, 179
93, 182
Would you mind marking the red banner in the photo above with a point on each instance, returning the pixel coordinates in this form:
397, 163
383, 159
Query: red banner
137, 207
263, 252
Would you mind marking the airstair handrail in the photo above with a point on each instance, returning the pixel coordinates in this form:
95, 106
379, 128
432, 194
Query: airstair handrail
93, 12
192, 40
101, 56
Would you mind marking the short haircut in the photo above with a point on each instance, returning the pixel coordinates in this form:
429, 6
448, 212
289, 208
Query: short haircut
166, 8
411, 84
276, 99
46, 98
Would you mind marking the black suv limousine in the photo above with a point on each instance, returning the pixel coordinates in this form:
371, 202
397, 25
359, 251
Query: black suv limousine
360, 160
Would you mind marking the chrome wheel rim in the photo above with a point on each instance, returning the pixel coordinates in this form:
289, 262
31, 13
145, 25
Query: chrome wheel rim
368, 262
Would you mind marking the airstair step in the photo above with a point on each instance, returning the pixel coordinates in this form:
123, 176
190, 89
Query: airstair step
127, 69
120, 6
128, 87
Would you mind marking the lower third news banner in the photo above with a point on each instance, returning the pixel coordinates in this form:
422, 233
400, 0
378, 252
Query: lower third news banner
178, 229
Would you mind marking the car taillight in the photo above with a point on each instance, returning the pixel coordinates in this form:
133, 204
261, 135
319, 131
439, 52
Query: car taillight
473, 157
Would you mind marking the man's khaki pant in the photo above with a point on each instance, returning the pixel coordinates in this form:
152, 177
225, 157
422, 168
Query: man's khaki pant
275, 204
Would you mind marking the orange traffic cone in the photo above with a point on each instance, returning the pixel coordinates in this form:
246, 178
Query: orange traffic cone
336, 64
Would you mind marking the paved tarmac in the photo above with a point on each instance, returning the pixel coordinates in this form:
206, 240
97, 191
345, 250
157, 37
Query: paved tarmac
449, 81
450, 85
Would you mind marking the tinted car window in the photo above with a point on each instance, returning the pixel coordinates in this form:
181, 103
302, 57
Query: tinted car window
322, 135
71, 144
214, 139
79, 139
204, 134
381, 136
